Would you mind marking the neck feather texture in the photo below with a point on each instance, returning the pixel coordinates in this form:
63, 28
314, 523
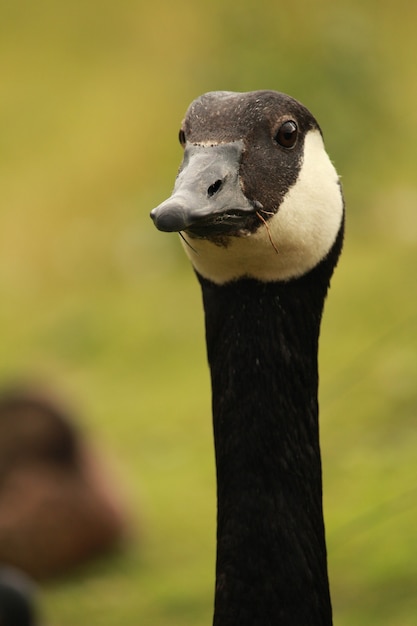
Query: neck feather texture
262, 341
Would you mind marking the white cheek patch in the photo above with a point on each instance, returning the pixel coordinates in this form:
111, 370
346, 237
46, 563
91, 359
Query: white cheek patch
295, 239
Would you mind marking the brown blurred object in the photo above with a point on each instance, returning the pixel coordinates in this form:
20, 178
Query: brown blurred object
57, 506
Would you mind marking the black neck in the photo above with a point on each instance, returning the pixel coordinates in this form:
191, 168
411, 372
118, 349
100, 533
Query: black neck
262, 341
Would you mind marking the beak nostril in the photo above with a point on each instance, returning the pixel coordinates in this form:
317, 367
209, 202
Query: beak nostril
214, 188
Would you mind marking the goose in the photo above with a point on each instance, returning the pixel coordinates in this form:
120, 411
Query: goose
260, 210
58, 506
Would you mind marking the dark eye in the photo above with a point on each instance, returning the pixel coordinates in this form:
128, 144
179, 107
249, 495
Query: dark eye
286, 135
181, 137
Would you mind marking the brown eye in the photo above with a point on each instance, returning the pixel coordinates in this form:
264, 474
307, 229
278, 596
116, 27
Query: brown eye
287, 134
181, 137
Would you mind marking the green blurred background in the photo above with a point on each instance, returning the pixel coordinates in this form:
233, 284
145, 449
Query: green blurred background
99, 305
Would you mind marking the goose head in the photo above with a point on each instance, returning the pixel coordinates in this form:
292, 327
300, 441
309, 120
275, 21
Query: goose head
256, 195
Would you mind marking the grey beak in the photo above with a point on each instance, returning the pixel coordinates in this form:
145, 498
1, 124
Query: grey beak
207, 185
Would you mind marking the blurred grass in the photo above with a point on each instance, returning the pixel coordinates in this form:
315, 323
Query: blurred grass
98, 304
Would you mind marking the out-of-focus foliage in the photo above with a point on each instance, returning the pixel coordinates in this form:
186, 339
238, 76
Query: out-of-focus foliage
96, 302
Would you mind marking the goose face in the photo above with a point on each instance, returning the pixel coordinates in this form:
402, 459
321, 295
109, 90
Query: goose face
256, 194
